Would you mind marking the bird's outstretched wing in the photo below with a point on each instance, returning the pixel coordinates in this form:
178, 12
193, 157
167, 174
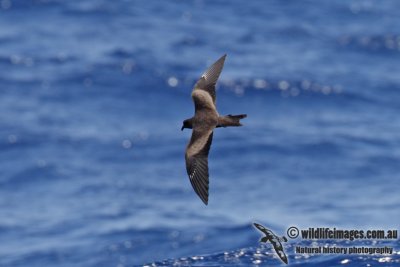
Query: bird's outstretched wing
279, 249
261, 228
197, 162
209, 78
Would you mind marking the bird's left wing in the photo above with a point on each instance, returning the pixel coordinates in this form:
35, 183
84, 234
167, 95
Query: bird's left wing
210, 77
279, 249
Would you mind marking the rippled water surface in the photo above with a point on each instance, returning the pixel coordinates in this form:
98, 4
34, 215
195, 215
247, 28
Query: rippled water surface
92, 98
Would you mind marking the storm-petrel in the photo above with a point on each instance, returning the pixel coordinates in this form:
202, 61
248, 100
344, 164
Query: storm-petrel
205, 119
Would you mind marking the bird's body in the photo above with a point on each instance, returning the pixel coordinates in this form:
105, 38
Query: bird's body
204, 121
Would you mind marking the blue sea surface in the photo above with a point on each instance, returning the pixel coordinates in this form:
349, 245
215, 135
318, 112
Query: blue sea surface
92, 98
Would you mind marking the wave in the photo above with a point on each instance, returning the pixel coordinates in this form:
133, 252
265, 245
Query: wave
265, 255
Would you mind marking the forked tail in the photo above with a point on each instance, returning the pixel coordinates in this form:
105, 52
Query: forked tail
230, 120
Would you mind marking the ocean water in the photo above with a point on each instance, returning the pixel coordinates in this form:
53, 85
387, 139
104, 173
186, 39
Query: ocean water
92, 98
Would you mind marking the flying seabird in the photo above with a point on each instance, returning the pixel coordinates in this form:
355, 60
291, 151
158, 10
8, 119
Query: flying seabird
275, 241
205, 119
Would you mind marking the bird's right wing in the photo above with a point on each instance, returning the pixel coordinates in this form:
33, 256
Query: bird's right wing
209, 78
261, 228
197, 162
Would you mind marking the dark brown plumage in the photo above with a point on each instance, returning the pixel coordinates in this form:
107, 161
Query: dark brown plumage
205, 119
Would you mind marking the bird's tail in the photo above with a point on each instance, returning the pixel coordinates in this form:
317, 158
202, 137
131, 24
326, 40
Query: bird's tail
230, 120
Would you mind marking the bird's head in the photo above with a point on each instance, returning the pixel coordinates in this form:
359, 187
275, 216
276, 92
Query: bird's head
187, 124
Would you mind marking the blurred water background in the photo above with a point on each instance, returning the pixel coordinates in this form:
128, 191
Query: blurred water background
92, 98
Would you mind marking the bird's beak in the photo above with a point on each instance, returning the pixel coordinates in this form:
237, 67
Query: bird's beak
183, 127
